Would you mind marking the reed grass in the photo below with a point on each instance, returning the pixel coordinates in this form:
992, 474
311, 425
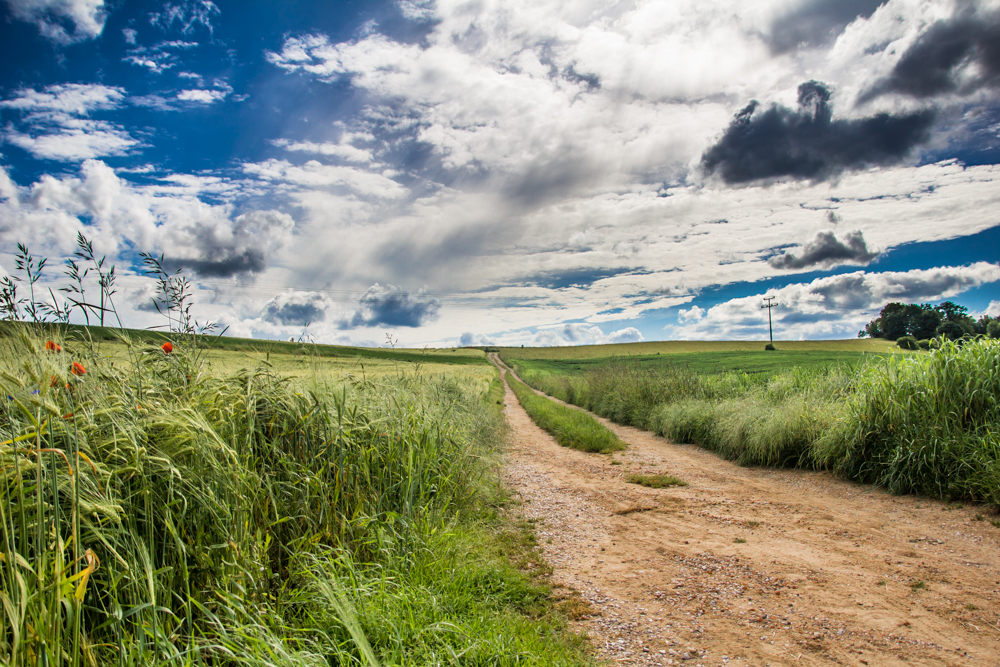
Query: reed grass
156, 512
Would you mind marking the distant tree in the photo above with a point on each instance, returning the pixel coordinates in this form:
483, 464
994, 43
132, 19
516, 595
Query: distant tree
907, 343
922, 321
982, 325
950, 330
993, 329
952, 312
896, 322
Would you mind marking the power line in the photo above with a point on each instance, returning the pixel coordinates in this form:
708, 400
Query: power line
769, 306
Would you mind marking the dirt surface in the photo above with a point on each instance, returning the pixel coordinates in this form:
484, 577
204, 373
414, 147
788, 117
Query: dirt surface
752, 566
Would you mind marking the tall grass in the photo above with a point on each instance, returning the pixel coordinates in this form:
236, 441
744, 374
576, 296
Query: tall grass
751, 419
926, 423
155, 512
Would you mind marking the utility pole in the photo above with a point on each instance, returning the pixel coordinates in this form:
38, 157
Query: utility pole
769, 306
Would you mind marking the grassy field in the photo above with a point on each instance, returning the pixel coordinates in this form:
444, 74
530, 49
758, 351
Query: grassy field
856, 345
713, 362
227, 508
926, 422
310, 368
457, 355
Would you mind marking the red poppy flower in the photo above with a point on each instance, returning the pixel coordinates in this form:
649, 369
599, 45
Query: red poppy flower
52, 347
53, 381
77, 369
167, 347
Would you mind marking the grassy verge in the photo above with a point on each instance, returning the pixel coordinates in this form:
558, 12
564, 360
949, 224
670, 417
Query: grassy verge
156, 511
571, 428
925, 423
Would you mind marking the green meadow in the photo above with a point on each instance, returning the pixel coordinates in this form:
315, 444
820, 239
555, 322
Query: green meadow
853, 345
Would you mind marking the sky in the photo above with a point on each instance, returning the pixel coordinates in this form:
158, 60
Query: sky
515, 172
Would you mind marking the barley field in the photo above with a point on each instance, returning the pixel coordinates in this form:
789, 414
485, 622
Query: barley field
175, 504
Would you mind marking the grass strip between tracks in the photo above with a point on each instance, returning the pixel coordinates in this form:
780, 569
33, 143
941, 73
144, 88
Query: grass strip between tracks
570, 427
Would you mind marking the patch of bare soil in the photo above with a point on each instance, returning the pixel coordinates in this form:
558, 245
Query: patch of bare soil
751, 566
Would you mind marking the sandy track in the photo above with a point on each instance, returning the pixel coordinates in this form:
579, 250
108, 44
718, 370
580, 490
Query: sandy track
828, 573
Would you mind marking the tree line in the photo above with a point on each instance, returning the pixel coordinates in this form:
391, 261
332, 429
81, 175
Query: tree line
924, 321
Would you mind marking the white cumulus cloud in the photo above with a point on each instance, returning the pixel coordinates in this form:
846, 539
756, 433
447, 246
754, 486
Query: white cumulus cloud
54, 18
54, 123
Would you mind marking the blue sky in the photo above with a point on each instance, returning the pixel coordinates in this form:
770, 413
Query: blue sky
538, 173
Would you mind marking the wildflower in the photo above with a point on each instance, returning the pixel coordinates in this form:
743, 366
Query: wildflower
77, 369
167, 347
53, 381
52, 347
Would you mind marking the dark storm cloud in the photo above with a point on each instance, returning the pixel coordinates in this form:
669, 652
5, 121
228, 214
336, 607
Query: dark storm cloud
300, 309
939, 61
817, 22
826, 250
808, 144
222, 264
392, 306
214, 249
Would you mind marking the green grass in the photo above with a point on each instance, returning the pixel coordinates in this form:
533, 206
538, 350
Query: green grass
655, 481
925, 423
571, 428
856, 345
760, 419
155, 510
224, 343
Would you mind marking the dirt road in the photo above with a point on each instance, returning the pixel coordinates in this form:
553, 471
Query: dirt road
750, 566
